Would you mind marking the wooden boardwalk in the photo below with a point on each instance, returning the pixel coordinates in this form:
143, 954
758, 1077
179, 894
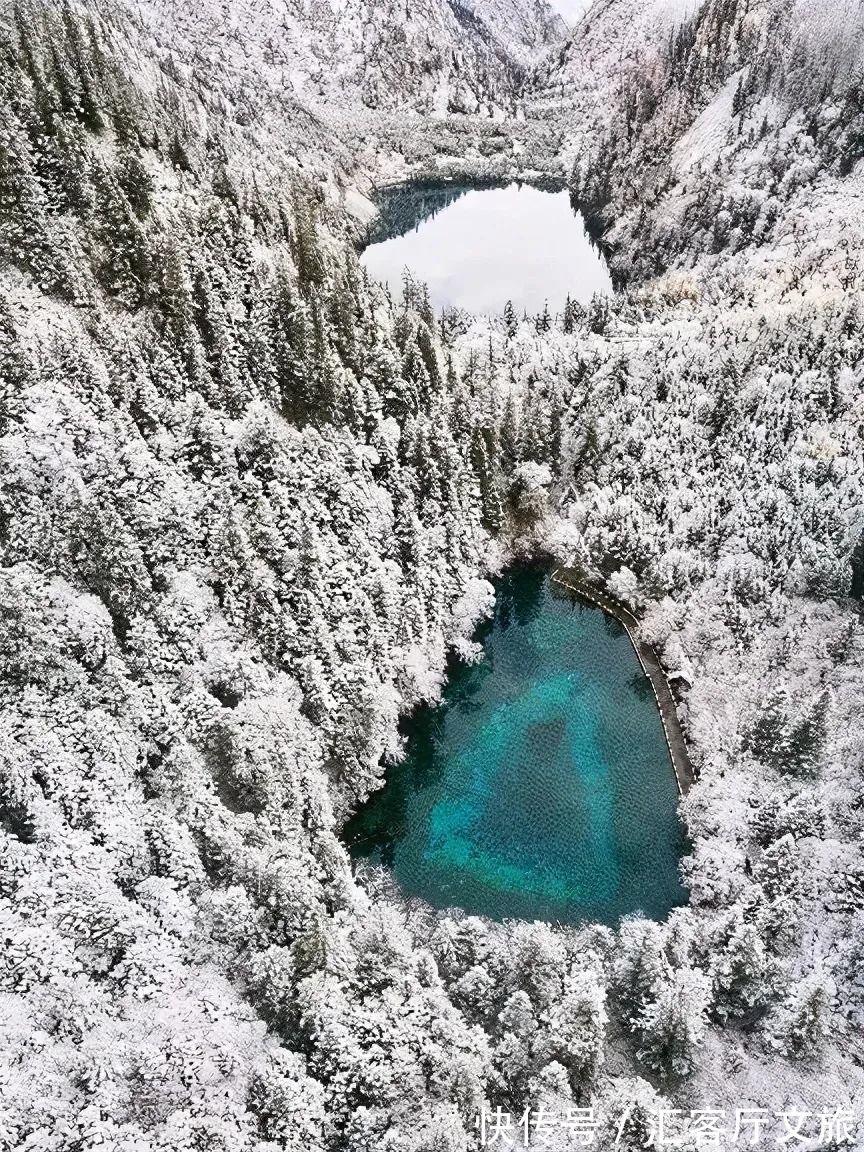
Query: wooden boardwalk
651, 666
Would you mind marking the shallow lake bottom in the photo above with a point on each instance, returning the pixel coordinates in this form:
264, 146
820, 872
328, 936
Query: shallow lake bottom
541, 786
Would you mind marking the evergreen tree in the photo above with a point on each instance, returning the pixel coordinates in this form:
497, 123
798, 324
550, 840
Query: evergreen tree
509, 437
511, 324
574, 1029
484, 463
671, 1024
800, 1025
291, 339
136, 183
741, 972
123, 262
15, 371
568, 321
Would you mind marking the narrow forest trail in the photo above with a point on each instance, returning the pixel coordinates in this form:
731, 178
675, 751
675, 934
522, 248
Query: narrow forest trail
652, 668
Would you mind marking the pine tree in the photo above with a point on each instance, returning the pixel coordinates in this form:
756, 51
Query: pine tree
218, 340
509, 437
801, 1024
123, 260
291, 341
741, 972
484, 463
172, 293
511, 324
574, 1028
568, 324
25, 234
428, 382
15, 371
324, 373
639, 965
670, 1026
304, 246
806, 738
136, 182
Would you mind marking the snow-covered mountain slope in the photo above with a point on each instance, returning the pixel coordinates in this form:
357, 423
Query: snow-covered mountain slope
205, 432
345, 93
701, 130
432, 56
248, 504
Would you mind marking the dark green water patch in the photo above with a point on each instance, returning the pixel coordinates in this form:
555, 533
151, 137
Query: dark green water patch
404, 207
541, 786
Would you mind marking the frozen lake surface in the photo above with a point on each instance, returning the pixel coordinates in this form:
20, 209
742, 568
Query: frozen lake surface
478, 248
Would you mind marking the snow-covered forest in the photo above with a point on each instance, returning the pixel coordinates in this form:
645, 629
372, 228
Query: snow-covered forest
250, 502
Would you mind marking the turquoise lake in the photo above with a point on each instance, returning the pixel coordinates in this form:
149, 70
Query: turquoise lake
541, 787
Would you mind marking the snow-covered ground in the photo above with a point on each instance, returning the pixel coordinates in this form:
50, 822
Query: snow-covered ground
247, 505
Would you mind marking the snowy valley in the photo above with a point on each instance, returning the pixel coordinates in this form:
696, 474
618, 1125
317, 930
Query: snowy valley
250, 501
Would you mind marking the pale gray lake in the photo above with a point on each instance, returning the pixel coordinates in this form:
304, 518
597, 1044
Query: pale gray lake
478, 248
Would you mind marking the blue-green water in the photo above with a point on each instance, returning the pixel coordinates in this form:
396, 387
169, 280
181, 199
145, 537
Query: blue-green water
541, 787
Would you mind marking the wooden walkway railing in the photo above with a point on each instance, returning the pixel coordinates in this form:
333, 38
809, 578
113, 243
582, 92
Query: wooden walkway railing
651, 666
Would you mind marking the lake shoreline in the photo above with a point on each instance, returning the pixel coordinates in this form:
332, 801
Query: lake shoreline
477, 248
539, 786
647, 656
